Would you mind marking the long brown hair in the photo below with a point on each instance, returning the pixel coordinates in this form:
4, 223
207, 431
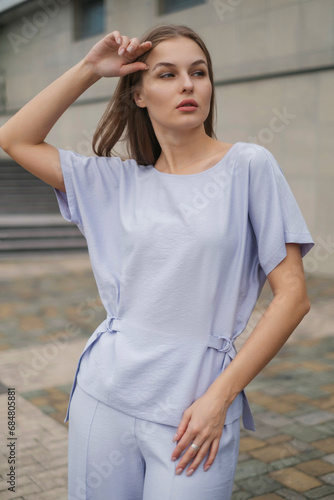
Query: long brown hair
123, 115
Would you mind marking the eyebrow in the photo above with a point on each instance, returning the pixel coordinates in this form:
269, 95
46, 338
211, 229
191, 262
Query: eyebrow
171, 65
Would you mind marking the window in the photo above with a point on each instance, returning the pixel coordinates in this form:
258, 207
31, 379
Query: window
169, 6
89, 18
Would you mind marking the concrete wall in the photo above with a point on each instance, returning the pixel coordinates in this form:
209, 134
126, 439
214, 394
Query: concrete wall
274, 72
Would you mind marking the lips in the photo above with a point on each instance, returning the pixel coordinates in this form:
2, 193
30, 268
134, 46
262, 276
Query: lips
189, 102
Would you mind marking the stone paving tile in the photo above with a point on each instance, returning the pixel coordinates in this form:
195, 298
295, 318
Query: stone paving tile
303, 409
310, 455
242, 495
285, 462
257, 408
316, 366
326, 445
55, 494
48, 481
281, 438
305, 433
296, 397
290, 494
295, 479
271, 403
316, 467
328, 478
274, 391
327, 427
328, 388
24, 480
329, 458
274, 419
301, 445
271, 496
250, 468
274, 452
320, 492
324, 402
24, 490
259, 484
315, 417
310, 389
249, 443
265, 431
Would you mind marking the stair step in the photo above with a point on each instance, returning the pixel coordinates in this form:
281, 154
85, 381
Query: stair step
48, 244
37, 211
25, 219
31, 194
23, 201
38, 233
24, 184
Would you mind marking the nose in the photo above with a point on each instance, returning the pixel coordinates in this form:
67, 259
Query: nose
186, 83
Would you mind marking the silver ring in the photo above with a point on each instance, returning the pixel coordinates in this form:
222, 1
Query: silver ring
195, 446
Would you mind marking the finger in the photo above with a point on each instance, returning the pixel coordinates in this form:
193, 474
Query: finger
114, 36
201, 454
185, 440
133, 45
143, 47
123, 45
182, 427
111, 39
132, 67
213, 453
188, 438
192, 454
118, 37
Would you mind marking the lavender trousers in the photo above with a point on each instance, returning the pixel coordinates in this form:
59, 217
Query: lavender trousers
115, 456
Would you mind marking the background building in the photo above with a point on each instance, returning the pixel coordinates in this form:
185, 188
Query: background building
274, 75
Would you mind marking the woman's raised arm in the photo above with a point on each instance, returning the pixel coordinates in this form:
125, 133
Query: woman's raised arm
22, 136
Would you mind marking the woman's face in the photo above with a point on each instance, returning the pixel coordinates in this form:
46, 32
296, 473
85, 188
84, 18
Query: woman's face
165, 86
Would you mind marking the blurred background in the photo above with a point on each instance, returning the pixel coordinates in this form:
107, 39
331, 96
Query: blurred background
273, 66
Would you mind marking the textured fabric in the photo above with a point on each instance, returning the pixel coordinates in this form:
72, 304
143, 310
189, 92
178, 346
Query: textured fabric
179, 260
115, 456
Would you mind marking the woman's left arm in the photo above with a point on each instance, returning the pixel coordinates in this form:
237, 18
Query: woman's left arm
284, 313
207, 414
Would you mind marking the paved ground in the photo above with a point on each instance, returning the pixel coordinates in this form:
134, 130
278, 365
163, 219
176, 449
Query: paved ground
49, 307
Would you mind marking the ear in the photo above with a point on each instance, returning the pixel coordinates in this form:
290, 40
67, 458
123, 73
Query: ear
139, 100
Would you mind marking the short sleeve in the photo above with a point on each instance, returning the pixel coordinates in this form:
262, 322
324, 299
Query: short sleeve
88, 181
273, 211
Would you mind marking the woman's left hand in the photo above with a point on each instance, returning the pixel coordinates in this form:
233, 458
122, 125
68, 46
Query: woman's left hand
202, 423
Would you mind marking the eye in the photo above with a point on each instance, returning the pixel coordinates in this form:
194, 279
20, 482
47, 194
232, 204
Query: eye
202, 73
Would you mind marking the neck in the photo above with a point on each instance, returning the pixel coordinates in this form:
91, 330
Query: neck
184, 151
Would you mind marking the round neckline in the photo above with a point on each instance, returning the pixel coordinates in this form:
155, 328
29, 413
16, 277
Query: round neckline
198, 173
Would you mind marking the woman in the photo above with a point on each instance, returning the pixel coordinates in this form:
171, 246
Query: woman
182, 236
